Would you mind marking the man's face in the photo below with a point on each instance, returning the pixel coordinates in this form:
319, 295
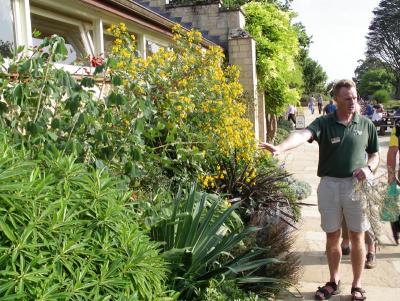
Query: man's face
346, 100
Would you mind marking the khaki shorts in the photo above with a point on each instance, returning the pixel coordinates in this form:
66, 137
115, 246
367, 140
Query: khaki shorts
336, 199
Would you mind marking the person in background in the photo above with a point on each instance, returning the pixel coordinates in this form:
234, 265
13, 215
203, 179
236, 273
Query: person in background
344, 137
370, 241
393, 177
291, 113
377, 115
369, 110
311, 103
330, 107
319, 101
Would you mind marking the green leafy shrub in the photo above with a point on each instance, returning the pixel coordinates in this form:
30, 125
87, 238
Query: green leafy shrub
148, 119
381, 96
227, 291
197, 245
281, 134
300, 188
68, 233
286, 125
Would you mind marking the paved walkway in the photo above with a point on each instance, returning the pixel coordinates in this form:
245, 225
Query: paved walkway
381, 283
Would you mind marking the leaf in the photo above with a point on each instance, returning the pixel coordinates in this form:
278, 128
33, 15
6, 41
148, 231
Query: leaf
36, 33
116, 80
257, 280
99, 69
19, 93
20, 48
6, 230
112, 98
59, 51
139, 125
17, 296
87, 82
25, 67
53, 136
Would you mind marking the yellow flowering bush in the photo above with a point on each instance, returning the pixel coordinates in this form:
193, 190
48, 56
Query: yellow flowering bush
190, 103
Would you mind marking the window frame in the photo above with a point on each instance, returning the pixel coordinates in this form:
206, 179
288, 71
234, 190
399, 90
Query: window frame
94, 45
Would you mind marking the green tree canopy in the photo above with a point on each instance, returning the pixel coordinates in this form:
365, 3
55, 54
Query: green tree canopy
314, 76
277, 47
383, 40
374, 80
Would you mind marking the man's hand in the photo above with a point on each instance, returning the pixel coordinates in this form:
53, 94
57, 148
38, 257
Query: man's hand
363, 173
269, 147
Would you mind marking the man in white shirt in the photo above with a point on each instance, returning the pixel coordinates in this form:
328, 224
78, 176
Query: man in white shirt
378, 114
291, 113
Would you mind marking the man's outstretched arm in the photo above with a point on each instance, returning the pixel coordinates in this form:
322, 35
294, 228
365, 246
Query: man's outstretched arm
294, 140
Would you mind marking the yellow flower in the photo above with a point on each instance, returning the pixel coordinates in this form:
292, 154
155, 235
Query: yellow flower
122, 26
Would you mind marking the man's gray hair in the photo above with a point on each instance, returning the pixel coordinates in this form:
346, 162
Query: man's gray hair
343, 83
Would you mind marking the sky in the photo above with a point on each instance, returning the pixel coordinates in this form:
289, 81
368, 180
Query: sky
5, 21
338, 29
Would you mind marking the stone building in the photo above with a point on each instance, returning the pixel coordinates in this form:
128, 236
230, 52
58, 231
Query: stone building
83, 22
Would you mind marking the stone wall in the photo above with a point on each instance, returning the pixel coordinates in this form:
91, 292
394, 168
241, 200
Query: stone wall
210, 18
242, 53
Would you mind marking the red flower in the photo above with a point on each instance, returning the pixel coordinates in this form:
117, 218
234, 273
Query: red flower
96, 61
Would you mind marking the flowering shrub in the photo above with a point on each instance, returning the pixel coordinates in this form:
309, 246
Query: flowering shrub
162, 115
195, 98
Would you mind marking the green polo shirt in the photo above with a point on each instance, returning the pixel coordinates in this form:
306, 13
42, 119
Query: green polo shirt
342, 148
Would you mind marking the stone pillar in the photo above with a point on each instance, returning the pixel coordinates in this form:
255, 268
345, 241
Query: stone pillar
262, 122
242, 53
98, 39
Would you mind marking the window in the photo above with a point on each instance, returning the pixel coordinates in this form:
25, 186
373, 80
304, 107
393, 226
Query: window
7, 38
70, 32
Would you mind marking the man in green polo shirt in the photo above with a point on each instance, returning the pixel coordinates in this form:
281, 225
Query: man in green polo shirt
343, 137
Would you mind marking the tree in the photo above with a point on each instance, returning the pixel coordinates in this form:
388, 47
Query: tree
383, 39
314, 76
373, 80
276, 50
6, 48
367, 64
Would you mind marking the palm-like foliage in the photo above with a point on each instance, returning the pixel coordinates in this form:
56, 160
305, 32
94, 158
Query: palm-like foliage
70, 234
197, 245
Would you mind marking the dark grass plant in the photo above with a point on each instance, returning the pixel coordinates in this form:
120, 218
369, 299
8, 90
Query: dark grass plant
69, 233
277, 239
261, 188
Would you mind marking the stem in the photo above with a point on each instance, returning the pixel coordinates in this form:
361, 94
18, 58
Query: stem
41, 91
122, 144
174, 143
69, 136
